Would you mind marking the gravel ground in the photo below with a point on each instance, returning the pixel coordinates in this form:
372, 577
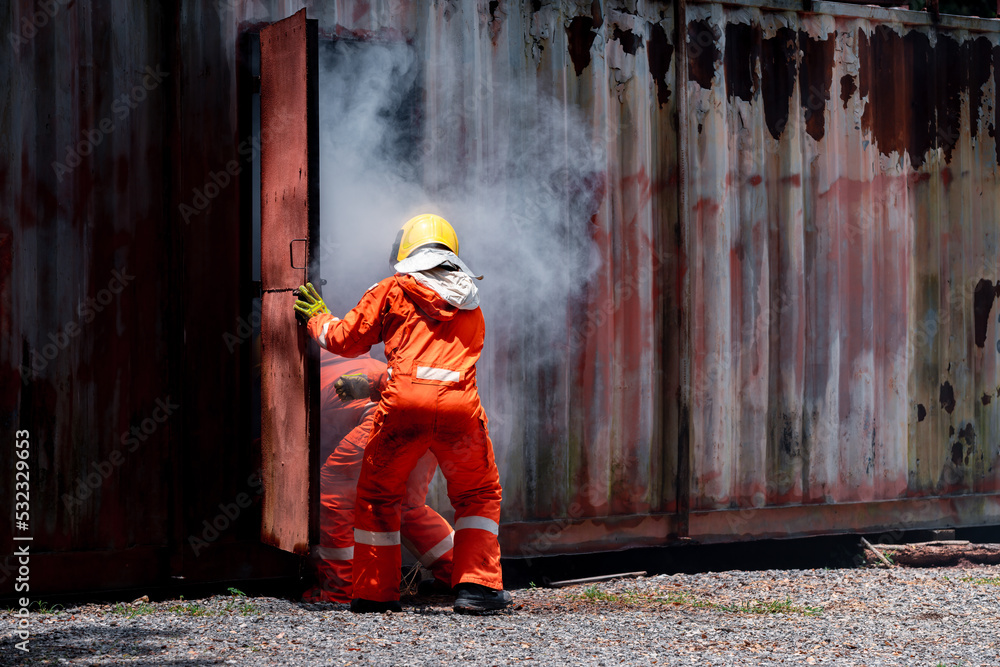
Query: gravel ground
865, 616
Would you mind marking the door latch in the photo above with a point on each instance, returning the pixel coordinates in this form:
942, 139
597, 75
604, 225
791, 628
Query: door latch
291, 252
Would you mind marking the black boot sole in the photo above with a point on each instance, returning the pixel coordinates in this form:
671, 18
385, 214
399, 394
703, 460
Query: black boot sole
478, 609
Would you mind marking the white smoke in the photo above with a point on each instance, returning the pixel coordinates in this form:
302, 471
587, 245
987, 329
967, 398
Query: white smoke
513, 169
366, 192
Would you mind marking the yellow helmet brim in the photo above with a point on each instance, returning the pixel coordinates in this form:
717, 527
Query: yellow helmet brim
423, 230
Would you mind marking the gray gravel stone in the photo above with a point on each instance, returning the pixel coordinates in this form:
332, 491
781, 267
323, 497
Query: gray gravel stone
869, 617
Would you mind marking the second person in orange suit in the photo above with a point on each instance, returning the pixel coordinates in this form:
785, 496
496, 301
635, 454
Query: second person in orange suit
428, 316
347, 389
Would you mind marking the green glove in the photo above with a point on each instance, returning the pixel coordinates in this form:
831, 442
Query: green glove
309, 303
351, 387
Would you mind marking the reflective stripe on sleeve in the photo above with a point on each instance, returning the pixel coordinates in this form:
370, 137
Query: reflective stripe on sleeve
333, 553
438, 550
480, 522
438, 374
374, 539
322, 334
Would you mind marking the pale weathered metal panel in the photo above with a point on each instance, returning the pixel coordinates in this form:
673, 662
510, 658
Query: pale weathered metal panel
844, 195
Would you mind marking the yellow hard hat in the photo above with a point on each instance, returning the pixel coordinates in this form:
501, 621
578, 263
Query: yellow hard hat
420, 231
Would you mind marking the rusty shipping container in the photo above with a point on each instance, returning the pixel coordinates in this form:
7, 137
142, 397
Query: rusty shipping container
781, 322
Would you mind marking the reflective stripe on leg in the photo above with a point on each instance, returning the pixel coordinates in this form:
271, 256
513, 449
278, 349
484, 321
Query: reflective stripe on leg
476, 558
479, 522
438, 550
376, 539
333, 553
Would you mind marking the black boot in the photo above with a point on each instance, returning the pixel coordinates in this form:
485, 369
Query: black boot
476, 599
362, 606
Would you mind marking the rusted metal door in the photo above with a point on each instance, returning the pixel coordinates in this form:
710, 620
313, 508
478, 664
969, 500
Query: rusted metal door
289, 174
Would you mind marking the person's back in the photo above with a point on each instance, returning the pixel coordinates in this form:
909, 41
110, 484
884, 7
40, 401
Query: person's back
431, 348
429, 319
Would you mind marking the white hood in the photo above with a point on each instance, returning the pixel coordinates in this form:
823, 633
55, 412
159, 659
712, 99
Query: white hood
423, 259
455, 287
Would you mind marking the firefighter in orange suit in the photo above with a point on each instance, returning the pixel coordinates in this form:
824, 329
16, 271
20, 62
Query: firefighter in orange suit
346, 417
428, 316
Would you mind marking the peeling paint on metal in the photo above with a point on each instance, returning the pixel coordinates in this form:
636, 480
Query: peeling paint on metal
659, 53
742, 54
703, 52
815, 73
778, 57
580, 34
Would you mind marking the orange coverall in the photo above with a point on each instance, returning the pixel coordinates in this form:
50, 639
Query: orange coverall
431, 401
345, 430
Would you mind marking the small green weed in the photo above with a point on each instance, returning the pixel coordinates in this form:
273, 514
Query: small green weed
594, 593
249, 609
191, 609
241, 603
770, 607
133, 610
237, 603
43, 607
979, 581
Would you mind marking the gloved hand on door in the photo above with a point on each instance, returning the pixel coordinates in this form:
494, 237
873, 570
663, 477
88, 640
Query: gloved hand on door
309, 303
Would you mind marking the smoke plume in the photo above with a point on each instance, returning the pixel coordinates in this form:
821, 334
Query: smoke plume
511, 167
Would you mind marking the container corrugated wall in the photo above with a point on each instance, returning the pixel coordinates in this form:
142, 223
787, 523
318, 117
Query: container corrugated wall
843, 344
804, 344
117, 222
813, 337
579, 416
84, 133
794, 334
